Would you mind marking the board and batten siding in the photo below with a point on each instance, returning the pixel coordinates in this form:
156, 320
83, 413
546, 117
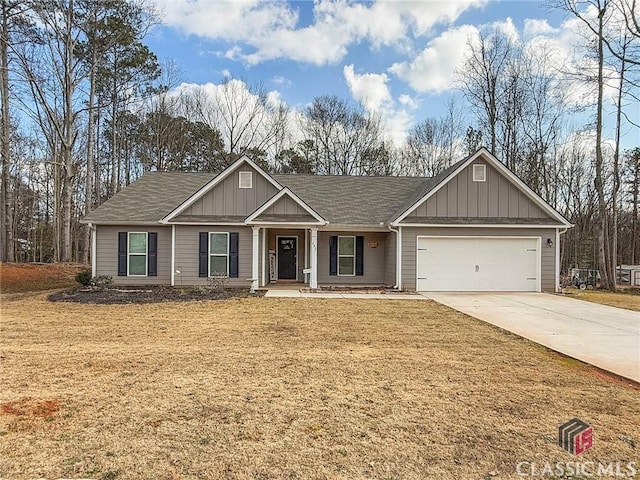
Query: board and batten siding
107, 255
285, 206
409, 249
187, 253
227, 199
373, 260
461, 197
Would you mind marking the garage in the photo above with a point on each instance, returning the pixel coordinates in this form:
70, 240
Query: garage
478, 264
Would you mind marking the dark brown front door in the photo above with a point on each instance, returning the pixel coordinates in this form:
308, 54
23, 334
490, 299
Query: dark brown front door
287, 258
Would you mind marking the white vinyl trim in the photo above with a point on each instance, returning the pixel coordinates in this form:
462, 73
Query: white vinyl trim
488, 225
173, 255
227, 255
473, 237
146, 254
353, 255
264, 256
94, 249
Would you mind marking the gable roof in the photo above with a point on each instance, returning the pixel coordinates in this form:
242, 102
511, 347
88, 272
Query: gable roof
315, 217
219, 178
445, 176
157, 197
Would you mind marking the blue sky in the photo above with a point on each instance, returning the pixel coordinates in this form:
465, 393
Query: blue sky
395, 57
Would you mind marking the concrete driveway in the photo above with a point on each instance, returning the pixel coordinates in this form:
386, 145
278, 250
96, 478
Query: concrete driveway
606, 337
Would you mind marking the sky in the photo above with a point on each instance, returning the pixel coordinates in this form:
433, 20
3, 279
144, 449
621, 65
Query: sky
396, 58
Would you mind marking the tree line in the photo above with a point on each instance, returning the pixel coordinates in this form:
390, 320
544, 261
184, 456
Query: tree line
87, 108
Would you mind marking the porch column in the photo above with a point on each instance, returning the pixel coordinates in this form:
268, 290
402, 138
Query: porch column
313, 250
94, 257
254, 256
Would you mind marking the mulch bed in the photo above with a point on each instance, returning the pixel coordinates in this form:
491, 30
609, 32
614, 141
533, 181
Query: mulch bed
148, 294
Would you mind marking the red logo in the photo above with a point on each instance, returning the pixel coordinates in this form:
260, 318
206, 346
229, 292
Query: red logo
575, 436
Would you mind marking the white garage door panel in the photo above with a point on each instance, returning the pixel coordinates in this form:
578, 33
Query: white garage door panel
477, 264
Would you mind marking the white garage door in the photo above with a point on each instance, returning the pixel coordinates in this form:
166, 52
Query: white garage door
478, 264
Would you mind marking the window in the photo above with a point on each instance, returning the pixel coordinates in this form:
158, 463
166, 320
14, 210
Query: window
137, 254
346, 256
479, 173
246, 180
219, 254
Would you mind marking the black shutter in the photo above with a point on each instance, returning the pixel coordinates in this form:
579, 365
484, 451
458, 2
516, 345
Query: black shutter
359, 255
152, 259
233, 255
333, 255
122, 254
203, 259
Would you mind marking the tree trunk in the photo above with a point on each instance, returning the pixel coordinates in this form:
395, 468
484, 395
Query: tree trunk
88, 189
599, 185
6, 236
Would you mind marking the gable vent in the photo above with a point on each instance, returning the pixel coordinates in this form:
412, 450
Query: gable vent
246, 180
479, 173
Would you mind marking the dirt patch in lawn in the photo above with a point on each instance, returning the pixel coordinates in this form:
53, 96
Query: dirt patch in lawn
276, 388
33, 277
150, 294
628, 298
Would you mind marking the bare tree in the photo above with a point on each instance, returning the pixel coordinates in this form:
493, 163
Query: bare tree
481, 77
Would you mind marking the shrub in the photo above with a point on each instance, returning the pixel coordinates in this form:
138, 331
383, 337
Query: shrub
83, 277
102, 281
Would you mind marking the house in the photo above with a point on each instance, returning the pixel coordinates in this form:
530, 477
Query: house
473, 227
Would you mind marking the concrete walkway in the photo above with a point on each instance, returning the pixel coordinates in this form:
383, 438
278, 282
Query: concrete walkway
607, 337
365, 296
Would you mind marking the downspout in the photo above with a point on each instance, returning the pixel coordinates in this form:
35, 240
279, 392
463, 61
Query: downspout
398, 232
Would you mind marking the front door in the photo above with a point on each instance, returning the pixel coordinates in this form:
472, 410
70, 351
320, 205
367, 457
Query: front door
287, 258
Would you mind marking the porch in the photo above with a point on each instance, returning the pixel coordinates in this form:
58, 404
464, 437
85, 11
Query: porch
288, 257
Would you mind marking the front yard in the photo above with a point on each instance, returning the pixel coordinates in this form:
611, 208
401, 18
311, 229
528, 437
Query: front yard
261, 388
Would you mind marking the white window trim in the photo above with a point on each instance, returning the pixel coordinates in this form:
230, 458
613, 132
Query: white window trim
244, 174
218, 254
479, 173
146, 254
347, 256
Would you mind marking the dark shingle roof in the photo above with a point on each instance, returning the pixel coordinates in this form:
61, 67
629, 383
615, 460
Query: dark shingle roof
345, 200
349, 200
150, 198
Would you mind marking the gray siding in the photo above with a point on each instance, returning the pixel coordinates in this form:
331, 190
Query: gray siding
461, 197
107, 255
409, 249
227, 199
186, 257
390, 259
374, 260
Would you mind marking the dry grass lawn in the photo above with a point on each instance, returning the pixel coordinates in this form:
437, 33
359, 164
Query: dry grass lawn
264, 388
31, 277
629, 299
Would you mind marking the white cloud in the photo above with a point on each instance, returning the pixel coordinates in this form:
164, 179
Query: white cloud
271, 30
534, 26
434, 68
370, 89
407, 101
